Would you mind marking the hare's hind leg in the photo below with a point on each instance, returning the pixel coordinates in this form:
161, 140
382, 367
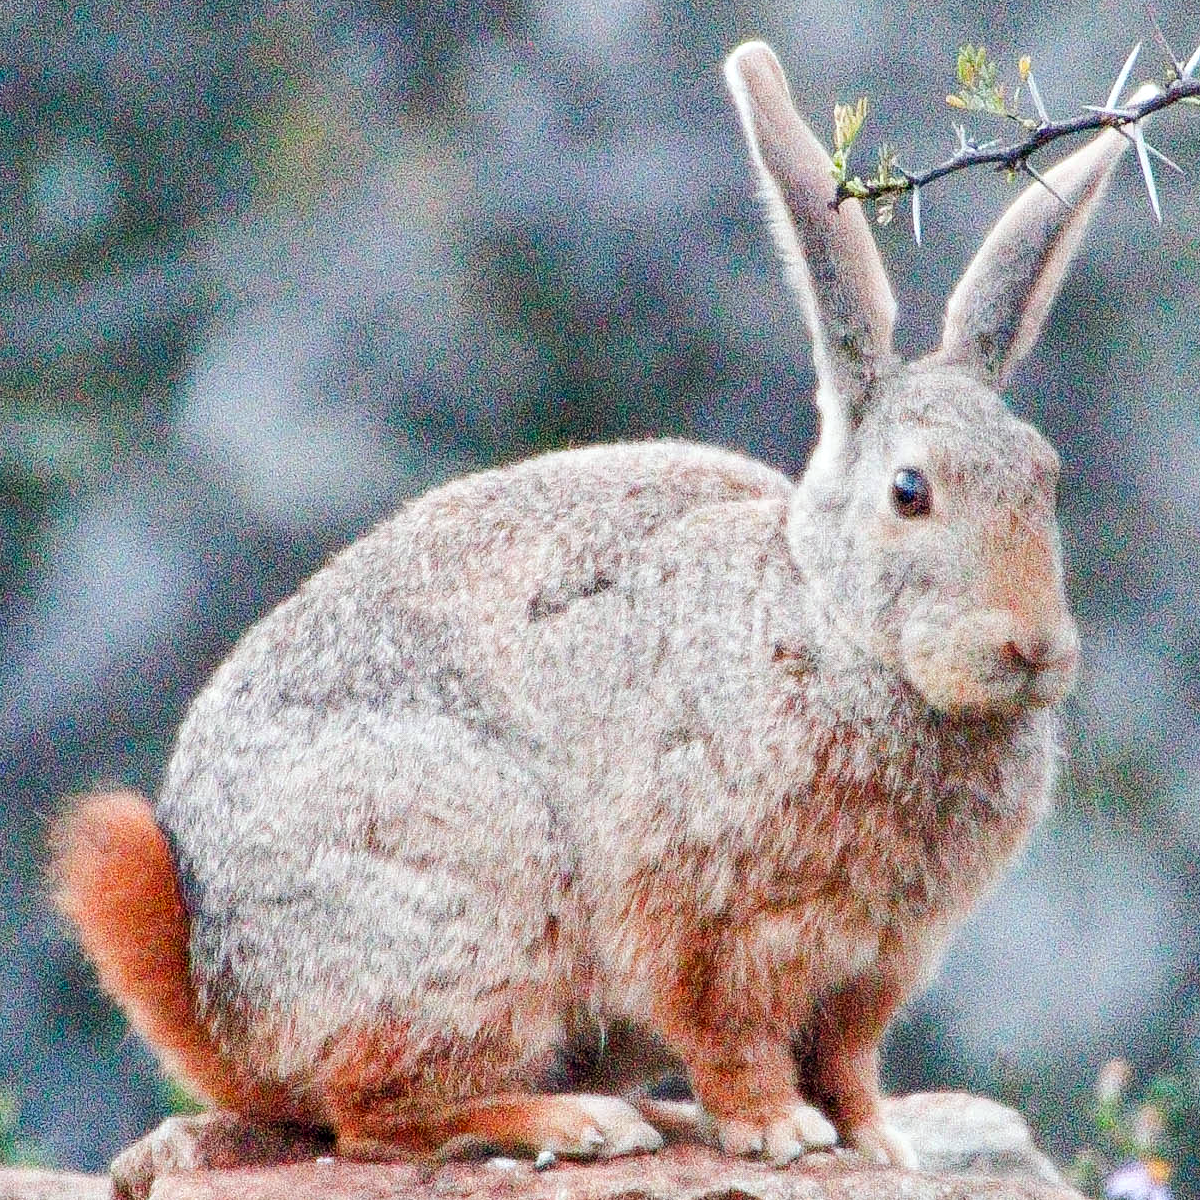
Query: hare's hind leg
569, 1126
676, 1120
387, 1098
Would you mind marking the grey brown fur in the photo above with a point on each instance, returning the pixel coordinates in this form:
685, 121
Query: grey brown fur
649, 739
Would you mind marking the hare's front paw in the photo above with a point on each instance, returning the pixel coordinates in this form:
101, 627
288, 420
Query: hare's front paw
779, 1140
879, 1142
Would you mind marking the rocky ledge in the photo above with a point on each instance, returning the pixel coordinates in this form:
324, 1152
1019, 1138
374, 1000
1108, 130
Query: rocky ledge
967, 1146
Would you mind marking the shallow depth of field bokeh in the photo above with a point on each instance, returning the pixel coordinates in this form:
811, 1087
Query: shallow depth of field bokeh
268, 269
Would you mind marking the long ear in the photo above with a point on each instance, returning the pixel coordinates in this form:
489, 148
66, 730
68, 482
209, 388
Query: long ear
829, 253
997, 311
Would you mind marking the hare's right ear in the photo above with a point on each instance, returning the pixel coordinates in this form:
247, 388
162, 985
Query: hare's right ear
829, 252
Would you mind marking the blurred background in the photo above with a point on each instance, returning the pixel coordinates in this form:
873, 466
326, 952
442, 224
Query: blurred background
268, 268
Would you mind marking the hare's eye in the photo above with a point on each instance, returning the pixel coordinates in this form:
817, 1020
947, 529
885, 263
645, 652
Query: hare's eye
910, 493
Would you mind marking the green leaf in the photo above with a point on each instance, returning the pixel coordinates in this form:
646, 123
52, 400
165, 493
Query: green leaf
848, 122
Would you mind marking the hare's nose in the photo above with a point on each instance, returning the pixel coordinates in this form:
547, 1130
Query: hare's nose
1044, 657
1040, 652
1028, 653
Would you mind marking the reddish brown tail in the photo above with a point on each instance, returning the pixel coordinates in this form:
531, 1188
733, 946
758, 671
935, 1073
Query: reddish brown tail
115, 880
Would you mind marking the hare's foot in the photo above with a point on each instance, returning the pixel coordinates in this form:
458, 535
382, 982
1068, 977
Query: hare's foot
803, 1128
206, 1141
879, 1142
747, 1086
568, 1126
779, 1139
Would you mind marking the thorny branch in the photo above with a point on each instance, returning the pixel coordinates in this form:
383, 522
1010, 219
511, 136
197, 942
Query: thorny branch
1014, 156
893, 180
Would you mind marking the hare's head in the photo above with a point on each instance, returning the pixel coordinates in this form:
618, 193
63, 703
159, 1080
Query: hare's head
925, 519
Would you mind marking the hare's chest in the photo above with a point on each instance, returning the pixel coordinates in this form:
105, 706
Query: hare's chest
853, 921
910, 833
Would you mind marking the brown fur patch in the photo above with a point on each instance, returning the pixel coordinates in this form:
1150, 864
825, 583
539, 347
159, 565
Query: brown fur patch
729, 1029
385, 1084
389, 1094
839, 1056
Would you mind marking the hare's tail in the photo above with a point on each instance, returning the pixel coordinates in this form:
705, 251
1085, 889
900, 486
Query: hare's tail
115, 880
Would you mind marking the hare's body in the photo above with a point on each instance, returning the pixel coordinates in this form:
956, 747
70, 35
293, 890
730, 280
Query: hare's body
628, 757
521, 761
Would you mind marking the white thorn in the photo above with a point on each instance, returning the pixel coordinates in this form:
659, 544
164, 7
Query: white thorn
1114, 95
916, 213
1189, 67
1162, 37
1139, 143
1167, 162
1153, 151
1105, 110
1045, 183
1036, 97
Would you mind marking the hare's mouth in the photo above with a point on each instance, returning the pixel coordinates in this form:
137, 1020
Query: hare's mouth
1043, 668
1049, 682
975, 665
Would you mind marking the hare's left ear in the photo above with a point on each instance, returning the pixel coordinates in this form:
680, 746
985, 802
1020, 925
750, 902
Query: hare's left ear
997, 311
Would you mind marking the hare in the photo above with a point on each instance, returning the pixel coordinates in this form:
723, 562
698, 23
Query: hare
627, 759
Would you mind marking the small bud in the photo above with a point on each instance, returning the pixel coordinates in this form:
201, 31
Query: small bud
1159, 1170
1149, 1126
1024, 66
1112, 1080
848, 122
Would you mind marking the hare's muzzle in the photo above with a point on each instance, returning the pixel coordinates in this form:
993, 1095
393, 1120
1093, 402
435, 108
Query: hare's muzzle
989, 660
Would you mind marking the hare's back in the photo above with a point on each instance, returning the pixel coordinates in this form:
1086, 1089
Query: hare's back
387, 752
521, 532
445, 613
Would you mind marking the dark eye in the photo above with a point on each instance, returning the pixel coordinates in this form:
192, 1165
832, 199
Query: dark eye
910, 493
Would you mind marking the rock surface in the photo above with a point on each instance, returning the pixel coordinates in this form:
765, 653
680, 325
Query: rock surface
959, 1134
25, 1183
967, 1147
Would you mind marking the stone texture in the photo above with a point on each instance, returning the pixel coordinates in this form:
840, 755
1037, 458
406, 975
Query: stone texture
676, 1173
957, 1133
967, 1146
25, 1183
